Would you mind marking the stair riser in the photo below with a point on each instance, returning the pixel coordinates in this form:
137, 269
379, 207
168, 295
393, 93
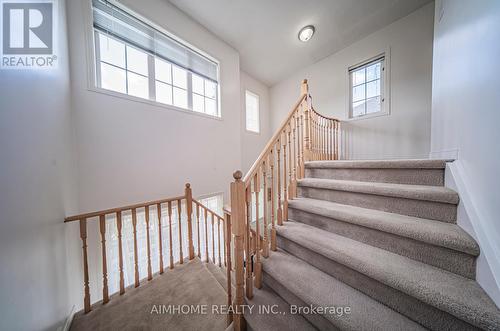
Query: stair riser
418, 208
448, 259
409, 306
320, 322
431, 177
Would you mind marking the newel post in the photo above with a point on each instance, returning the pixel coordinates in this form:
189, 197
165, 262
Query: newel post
238, 228
189, 212
304, 90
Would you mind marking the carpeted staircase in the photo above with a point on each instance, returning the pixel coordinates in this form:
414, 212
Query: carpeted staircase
380, 238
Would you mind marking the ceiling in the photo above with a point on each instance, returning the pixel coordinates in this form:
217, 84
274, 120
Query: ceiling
264, 32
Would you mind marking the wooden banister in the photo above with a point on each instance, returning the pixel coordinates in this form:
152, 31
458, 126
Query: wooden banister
305, 135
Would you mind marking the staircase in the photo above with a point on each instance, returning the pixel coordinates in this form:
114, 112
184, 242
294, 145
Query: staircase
378, 239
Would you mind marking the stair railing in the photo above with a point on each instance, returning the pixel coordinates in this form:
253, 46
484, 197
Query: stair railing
205, 218
259, 199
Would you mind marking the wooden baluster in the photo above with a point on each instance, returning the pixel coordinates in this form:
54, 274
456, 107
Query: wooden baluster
228, 262
265, 242
301, 144
296, 142
160, 241
278, 173
213, 240
258, 264
170, 237
136, 257
206, 235
290, 161
148, 243
189, 213
179, 225
285, 184
83, 236
240, 231
331, 139
307, 135
224, 239
273, 221
218, 241
120, 251
337, 139
198, 229
249, 279
102, 227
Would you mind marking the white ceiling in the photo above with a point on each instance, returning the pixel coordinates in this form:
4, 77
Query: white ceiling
264, 32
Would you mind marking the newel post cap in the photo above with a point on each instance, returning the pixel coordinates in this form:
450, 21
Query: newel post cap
237, 175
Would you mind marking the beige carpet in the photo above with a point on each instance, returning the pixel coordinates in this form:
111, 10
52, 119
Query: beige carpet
188, 284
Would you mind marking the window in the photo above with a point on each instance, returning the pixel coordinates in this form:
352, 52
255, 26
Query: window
367, 88
136, 59
252, 111
214, 202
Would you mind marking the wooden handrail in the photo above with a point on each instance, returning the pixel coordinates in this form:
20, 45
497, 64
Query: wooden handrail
249, 175
305, 135
185, 213
119, 209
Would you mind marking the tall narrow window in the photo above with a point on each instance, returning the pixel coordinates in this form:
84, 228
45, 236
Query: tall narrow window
135, 58
367, 88
252, 111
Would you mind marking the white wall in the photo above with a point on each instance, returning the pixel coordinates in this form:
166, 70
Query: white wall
37, 174
252, 143
405, 133
465, 117
133, 151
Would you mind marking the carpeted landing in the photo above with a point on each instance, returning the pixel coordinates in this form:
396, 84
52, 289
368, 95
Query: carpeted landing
146, 307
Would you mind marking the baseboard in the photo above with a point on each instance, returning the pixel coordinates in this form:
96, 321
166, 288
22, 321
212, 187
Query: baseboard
470, 219
449, 154
69, 320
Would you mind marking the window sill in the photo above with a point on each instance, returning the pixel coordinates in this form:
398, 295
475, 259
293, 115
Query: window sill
255, 133
151, 102
365, 117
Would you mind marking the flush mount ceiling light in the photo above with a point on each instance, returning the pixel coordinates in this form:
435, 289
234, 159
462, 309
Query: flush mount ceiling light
306, 33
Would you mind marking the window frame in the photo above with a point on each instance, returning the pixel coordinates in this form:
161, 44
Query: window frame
258, 112
384, 89
93, 82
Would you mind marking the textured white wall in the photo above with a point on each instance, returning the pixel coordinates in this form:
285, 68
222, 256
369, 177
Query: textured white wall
37, 189
253, 143
405, 132
465, 117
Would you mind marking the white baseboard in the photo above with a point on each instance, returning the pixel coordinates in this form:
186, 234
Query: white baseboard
69, 320
470, 219
449, 154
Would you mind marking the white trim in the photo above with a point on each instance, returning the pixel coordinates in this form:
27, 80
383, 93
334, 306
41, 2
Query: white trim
449, 154
470, 219
69, 320
386, 94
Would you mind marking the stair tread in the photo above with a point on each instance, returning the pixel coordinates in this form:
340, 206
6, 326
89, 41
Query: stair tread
319, 289
417, 192
283, 321
444, 290
379, 164
430, 231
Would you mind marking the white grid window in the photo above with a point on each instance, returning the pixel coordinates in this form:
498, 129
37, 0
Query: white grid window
366, 88
252, 112
135, 58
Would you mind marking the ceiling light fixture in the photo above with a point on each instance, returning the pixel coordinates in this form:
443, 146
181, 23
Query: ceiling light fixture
306, 33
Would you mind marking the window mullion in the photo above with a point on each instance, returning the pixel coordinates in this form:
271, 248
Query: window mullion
190, 89
151, 77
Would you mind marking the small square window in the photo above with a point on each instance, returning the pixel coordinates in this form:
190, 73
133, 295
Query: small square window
252, 111
366, 82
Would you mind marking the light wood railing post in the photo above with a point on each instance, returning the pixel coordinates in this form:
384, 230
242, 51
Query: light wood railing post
278, 184
170, 237
265, 194
273, 220
198, 229
285, 183
179, 227
83, 236
189, 211
248, 244
148, 243
102, 228
120, 251
258, 263
206, 235
238, 229
160, 240
136, 258
228, 262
